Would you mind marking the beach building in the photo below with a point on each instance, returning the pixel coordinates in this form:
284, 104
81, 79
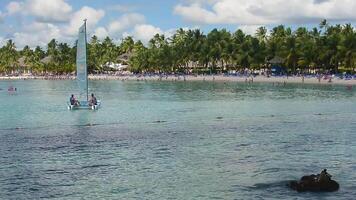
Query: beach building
23, 68
277, 66
46, 60
120, 64
123, 61
124, 58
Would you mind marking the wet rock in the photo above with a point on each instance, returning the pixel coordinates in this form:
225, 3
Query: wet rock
310, 183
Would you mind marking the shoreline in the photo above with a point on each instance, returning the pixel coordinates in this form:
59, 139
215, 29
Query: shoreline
210, 78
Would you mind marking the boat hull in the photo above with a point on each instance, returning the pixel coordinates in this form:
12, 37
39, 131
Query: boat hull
84, 105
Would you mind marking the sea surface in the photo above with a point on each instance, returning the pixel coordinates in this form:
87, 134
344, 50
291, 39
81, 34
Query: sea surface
175, 140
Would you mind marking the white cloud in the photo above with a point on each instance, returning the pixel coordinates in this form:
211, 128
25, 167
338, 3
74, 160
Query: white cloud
44, 33
43, 10
124, 22
48, 10
44, 26
2, 41
101, 32
195, 13
250, 29
252, 12
93, 17
145, 32
13, 7
202, 1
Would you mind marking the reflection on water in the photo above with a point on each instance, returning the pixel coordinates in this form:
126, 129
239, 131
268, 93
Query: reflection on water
163, 140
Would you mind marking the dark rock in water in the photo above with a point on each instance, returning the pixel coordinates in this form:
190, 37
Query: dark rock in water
311, 184
159, 121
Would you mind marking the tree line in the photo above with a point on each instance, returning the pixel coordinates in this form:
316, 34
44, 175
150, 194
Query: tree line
325, 49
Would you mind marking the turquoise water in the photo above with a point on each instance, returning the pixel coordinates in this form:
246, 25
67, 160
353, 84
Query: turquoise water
175, 140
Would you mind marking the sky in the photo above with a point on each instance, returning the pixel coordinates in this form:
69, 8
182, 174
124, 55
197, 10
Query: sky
36, 22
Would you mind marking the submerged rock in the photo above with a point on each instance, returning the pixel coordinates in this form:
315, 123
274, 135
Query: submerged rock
312, 183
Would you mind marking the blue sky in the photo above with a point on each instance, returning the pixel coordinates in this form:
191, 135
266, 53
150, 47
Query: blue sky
35, 22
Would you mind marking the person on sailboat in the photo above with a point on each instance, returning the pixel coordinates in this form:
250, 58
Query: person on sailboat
92, 100
73, 101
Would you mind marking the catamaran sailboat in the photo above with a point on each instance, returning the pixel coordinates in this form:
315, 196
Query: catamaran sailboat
82, 73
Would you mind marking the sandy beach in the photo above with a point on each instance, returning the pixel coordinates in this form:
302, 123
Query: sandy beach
217, 78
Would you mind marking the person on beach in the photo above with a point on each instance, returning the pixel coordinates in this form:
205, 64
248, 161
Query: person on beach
92, 100
324, 177
73, 101
330, 79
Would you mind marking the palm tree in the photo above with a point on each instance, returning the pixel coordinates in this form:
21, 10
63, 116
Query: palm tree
9, 57
36, 64
261, 33
95, 54
110, 52
291, 51
326, 47
127, 45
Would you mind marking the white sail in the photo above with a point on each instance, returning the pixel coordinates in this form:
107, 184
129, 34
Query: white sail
82, 72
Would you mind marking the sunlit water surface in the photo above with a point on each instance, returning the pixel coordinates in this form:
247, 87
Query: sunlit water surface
175, 140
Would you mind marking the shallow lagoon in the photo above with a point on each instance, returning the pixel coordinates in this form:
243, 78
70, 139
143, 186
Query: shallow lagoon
175, 140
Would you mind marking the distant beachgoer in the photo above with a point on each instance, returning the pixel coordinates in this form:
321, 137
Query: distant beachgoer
330, 79
73, 101
303, 78
324, 177
92, 100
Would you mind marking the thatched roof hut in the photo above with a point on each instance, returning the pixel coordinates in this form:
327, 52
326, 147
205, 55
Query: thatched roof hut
276, 60
124, 57
21, 62
47, 60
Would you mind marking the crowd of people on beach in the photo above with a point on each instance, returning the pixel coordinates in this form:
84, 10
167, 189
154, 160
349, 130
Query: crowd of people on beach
239, 76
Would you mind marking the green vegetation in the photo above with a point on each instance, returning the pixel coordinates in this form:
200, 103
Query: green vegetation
327, 48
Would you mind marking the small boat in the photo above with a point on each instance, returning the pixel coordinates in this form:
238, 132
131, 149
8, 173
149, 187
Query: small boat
84, 105
82, 73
